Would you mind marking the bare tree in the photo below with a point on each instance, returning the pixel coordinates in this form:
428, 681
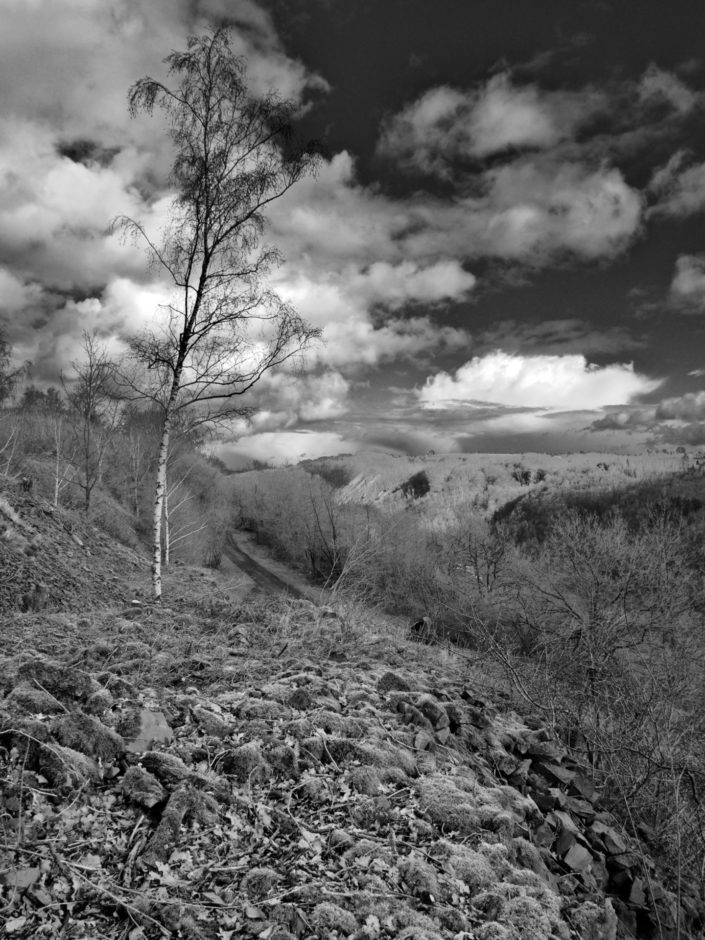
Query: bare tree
234, 155
95, 406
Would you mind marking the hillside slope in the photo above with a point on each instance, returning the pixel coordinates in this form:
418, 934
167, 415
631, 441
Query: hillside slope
218, 768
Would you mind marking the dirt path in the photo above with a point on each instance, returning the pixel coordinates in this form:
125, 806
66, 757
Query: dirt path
267, 574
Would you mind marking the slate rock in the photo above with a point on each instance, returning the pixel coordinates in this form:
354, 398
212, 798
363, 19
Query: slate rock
613, 842
555, 772
142, 728
88, 735
581, 808
143, 788
578, 858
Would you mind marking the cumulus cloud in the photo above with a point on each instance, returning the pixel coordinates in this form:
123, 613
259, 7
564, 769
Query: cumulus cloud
282, 447
288, 398
446, 124
688, 284
533, 212
408, 282
659, 85
679, 187
555, 383
352, 337
689, 407
71, 159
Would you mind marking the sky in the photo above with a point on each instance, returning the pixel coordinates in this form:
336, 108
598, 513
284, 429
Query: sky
504, 245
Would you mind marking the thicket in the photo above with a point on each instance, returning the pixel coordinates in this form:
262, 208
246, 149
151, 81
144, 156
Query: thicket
87, 451
595, 621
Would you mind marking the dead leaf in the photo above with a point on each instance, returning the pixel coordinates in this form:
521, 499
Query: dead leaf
254, 913
15, 924
21, 877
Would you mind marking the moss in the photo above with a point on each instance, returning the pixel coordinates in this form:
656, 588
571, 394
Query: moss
494, 931
472, 868
258, 882
528, 918
419, 876
32, 700
447, 806
246, 763
332, 917
365, 780
364, 848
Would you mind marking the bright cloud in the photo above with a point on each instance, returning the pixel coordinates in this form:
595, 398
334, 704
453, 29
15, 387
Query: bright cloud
408, 282
688, 282
446, 124
555, 383
281, 447
533, 212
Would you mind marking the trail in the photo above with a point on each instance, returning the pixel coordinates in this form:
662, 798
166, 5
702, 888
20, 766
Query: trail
262, 576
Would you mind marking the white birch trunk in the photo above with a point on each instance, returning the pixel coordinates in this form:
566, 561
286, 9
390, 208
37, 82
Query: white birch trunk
167, 535
57, 460
159, 492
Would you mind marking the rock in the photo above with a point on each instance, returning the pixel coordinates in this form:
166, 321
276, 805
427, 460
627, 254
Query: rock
167, 768
556, 772
581, 808
301, 699
246, 764
613, 842
392, 681
578, 858
65, 768
211, 723
64, 682
142, 728
284, 761
637, 894
433, 710
141, 787
584, 787
423, 741
548, 750
443, 735
89, 736
28, 698
414, 716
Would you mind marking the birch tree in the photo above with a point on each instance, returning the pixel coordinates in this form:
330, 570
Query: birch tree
224, 328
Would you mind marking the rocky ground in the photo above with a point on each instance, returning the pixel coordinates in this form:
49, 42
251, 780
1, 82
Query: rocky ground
223, 767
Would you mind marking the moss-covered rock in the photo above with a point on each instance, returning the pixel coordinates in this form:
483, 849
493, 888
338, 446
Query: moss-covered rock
88, 735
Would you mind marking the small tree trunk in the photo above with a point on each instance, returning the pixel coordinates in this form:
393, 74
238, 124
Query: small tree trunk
167, 537
159, 492
57, 460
